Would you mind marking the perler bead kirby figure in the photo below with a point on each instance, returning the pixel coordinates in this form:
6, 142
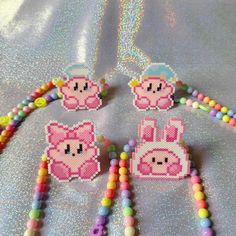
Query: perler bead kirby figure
160, 154
79, 91
72, 151
154, 90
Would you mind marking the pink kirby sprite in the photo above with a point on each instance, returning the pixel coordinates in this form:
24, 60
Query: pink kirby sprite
154, 90
79, 91
72, 151
160, 154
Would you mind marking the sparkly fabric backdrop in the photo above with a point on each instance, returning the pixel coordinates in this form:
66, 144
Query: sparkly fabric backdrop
197, 38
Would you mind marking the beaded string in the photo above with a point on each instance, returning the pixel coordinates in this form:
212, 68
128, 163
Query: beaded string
115, 173
200, 202
41, 190
125, 187
206, 104
40, 194
9, 123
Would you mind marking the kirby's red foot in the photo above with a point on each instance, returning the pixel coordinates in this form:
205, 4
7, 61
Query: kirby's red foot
88, 170
70, 103
164, 103
60, 171
93, 102
142, 103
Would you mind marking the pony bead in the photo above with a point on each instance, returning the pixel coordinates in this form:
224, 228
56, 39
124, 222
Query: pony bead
79, 91
154, 90
72, 151
160, 154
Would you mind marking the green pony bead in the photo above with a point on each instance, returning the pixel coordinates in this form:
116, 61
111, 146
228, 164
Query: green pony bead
20, 106
182, 100
35, 214
104, 93
128, 211
184, 87
21, 113
111, 148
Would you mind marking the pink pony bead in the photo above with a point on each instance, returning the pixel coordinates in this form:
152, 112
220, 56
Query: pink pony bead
15, 110
106, 86
124, 186
26, 109
40, 188
200, 96
232, 121
33, 224
189, 102
113, 169
128, 221
195, 179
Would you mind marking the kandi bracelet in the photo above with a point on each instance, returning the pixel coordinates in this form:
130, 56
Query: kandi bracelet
10, 122
156, 87
162, 155
76, 146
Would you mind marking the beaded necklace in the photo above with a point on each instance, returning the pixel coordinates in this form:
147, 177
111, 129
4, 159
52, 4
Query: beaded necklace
41, 190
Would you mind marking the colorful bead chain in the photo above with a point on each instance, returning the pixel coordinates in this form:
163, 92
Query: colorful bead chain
99, 229
200, 203
206, 104
9, 123
40, 194
125, 187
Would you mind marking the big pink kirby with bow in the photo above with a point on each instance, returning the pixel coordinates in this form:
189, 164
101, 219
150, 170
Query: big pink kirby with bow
72, 151
160, 154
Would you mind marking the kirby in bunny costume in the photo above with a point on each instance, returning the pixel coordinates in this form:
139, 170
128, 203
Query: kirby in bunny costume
155, 89
79, 91
160, 154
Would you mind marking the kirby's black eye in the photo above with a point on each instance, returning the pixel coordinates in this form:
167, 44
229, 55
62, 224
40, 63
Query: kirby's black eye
153, 159
149, 88
166, 159
86, 86
67, 150
160, 87
80, 149
76, 86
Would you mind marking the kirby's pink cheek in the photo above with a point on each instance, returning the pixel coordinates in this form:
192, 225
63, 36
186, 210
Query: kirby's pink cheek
144, 168
174, 169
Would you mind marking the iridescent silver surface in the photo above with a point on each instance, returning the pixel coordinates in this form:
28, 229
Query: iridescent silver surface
197, 38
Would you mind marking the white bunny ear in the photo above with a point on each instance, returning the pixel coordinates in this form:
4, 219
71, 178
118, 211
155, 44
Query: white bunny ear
77, 70
148, 130
173, 132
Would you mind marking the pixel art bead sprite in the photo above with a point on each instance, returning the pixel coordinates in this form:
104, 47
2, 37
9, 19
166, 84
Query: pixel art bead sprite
154, 90
160, 154
79, 91
72, 151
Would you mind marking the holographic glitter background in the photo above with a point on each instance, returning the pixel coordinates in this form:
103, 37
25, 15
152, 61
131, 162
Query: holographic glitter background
197, 38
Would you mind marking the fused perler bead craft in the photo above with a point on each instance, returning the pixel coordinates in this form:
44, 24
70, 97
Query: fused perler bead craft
79, 91
72, 151
160, 154
154, 90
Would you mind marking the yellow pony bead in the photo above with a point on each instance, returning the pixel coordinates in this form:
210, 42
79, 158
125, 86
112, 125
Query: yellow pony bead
129, 231
133, 83
40, 102
59, 95
58, 82
2, 139
226, 118
224, 110
199, 195
203, 213
106, 202
212, 103
100, 138
42, 172
123, 171
124, 156
44, 157
111, 185
4, 120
